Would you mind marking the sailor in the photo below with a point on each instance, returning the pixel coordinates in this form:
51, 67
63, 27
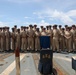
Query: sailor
68, 36
15, 29
50, 33
41, 28
55, 38
43, 32
22, 29
13, 37
0, 37
73, 31
3, 40
8, 39
34, 27
60, 37
24, 40
62, 44
31, 35
37, 40
18, 39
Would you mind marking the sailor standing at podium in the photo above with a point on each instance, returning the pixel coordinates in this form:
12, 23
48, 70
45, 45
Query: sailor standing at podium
50, 33
43, 33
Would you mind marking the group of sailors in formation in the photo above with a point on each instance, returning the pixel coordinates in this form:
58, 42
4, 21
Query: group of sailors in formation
27, 38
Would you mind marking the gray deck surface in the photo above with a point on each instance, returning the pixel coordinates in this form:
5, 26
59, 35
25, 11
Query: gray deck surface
27, 64
65, 62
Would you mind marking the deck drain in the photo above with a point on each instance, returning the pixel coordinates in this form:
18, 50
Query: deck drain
27, 56
67, 56
1, 64
23, 61
6, 62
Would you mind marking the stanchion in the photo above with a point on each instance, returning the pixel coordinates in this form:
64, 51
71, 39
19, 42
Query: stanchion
17, 58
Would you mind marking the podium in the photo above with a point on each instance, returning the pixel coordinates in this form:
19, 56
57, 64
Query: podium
45, 42
45, 63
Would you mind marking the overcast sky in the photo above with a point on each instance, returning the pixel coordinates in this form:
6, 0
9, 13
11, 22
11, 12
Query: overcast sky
40, 12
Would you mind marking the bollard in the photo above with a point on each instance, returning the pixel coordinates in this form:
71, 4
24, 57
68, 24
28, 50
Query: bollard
17, 58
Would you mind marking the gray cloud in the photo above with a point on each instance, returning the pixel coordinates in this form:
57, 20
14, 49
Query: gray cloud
65, 18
